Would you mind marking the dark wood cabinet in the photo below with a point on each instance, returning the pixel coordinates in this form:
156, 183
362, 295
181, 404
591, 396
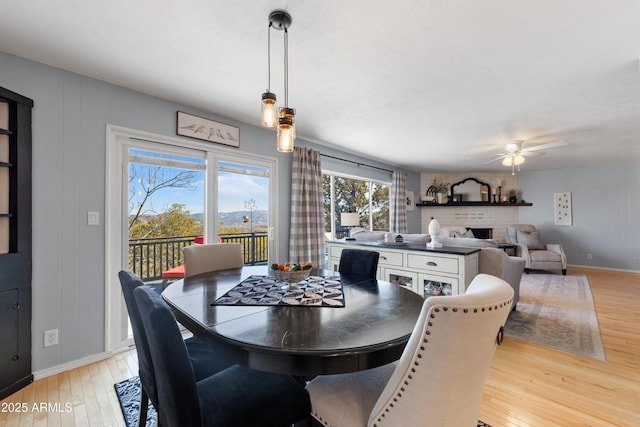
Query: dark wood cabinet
15, 242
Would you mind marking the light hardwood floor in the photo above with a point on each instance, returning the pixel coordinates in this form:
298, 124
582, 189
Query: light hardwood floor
529, 385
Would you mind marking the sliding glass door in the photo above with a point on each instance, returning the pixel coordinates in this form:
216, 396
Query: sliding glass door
164, 194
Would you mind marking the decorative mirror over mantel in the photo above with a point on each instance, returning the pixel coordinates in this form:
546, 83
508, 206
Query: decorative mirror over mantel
471, 190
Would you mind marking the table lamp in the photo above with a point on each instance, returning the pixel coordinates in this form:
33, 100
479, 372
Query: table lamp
349, 219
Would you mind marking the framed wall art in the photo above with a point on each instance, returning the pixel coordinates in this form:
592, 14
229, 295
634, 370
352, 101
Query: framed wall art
562, 204
207, 130
410, 201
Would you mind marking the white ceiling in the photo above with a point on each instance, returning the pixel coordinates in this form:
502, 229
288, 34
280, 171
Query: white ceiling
424, 84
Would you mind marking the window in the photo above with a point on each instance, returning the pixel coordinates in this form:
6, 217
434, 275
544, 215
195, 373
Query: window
348, 194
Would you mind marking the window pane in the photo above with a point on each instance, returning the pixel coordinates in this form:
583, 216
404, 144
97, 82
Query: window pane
380, 207
369, 199
326, 201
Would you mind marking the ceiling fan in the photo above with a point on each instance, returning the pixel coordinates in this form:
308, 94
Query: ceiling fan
515, 152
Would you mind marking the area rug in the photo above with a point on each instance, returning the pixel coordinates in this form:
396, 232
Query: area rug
557, 311
314, 291
128, 392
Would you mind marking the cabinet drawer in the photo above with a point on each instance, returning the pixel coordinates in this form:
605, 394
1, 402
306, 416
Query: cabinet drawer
433, 263
390, 258
335, 251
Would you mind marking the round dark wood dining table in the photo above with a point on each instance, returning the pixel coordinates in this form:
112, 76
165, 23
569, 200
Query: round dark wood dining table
371, 330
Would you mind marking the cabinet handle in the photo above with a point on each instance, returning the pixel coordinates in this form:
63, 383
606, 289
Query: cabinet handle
16, 306
15, 358
383, 257
432, 264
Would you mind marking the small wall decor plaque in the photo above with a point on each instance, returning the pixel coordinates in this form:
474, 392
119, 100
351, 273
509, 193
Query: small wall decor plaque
562, 204
207, 130
410, 201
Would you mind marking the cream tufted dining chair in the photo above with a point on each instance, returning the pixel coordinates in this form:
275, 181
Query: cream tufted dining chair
439, 378
217, 256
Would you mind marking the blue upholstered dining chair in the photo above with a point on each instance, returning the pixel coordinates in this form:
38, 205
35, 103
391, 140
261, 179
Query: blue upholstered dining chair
205, 362
358, 264
236, 396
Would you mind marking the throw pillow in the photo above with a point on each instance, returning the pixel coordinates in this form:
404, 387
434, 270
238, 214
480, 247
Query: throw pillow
530, 240
469, 234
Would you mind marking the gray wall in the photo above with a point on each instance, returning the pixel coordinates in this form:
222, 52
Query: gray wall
605, 202
69, 120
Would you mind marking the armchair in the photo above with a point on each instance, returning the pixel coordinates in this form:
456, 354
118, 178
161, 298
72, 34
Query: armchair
537, 255
497, 263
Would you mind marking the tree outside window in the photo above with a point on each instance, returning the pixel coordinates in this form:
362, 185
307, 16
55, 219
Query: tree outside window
369, 199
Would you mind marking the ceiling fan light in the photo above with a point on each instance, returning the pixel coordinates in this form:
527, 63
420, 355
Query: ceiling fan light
513, 160
269, 116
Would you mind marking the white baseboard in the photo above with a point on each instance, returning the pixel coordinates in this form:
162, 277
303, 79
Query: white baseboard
624, 270
55, 370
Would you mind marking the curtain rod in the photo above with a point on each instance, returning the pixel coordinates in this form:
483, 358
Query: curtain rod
356, 163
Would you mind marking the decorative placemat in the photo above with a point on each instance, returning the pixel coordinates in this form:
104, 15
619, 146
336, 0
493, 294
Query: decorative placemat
316, 291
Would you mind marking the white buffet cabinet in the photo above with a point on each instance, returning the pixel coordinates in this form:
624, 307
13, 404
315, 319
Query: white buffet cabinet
446, 271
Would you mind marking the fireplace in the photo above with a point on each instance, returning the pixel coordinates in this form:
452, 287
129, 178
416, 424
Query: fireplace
482, 233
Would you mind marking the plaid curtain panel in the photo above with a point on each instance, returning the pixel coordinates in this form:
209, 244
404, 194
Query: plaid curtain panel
398, 203
306, 237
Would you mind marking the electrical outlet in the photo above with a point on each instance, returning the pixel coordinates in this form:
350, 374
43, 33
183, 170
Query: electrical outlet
50, 337
589, 255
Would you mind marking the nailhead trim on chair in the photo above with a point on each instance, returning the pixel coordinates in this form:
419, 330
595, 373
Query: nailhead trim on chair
423, 348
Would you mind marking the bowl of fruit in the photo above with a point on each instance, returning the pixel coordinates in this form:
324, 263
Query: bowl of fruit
291, 272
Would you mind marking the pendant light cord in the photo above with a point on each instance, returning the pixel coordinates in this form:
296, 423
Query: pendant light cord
286, 67
269, 57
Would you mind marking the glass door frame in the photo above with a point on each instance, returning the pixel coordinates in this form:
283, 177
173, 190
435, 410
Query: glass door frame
118, 140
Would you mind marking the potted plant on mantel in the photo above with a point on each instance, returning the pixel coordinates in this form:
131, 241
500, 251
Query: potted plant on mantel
513, 195
442, 188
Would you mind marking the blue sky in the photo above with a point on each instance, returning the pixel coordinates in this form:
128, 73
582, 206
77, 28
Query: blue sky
233, 190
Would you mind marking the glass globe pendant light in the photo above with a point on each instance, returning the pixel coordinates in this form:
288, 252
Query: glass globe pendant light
285, 121
269, 117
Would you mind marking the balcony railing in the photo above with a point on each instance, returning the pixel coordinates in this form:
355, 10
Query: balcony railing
148, 258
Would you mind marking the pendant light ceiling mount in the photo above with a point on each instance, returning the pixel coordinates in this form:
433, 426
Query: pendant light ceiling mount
280, 20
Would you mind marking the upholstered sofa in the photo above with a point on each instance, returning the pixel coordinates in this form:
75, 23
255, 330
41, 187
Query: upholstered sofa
360, 234
538, 256
460, 236
449, 236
